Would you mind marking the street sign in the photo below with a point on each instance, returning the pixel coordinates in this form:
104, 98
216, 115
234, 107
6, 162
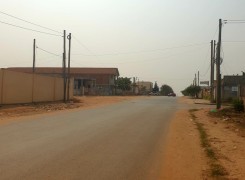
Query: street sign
204, 82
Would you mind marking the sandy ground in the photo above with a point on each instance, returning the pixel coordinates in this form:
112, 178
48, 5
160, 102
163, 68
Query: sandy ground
185, 158
228, 141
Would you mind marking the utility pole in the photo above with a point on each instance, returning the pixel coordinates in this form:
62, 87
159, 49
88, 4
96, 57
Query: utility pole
34, 55
69, 60
214, 51
64, 64
218, 75
212, 73
195, 80
198, 78
134, 85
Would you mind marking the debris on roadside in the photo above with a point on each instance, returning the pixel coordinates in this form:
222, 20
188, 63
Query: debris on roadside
35, 108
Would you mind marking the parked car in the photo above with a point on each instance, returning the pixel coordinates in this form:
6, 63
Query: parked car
172, 94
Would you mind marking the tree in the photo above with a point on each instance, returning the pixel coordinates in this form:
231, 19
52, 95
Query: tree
156, 88
191, 91
166, 89
123, 83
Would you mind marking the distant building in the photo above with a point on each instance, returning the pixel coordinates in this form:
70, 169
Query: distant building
144, 87
87, 81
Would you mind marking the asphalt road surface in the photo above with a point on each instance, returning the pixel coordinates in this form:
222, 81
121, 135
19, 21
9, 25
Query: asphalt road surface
119, 141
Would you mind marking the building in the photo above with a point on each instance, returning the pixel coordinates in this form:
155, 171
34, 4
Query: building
204, 93
87, 81
232, 87
143, 87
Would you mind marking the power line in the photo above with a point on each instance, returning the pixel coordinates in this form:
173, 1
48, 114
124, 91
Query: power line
29, 29
85, 47
215, 31
206, 58
223, 54
233, 20
165, 58
48, 51
233, 41
81, 44
144, 51
29, 22
206, 71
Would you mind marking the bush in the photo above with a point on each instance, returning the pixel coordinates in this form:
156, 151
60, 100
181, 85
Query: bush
191, 91
238, 105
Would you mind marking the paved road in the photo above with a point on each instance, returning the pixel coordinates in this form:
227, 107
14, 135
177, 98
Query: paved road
120, 141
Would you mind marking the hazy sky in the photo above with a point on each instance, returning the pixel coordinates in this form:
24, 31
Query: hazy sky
147, 39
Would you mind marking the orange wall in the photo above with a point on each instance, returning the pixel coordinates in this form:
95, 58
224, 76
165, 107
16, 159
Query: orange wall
43, 88
16, 87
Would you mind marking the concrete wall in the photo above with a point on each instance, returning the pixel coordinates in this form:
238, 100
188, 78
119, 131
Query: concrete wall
16, 87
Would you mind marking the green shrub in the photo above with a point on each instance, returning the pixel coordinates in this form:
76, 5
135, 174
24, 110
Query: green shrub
238, 105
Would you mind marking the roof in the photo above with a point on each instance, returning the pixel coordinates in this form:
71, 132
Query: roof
232, 80
59, 70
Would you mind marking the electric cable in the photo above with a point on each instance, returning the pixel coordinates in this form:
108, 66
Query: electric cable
85, 47
233, 41
29, 22
47, 51
234, 21
146, 60
215, 32
209, 67
144, 51
29, 29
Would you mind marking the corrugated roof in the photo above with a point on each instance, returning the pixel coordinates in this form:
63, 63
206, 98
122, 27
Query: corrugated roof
59, 70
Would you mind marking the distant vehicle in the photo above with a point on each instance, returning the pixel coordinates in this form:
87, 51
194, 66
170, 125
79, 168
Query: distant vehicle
172, 94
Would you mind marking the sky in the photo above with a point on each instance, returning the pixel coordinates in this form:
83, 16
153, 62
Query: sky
163, 41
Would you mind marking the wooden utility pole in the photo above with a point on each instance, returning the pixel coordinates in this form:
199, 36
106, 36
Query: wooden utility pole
212, 73
69, 60
64, 64
34, 56
198, 78
134, 85
214, 56
195, 80
218, 75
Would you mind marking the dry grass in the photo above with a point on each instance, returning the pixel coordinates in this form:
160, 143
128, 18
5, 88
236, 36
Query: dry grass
216, 169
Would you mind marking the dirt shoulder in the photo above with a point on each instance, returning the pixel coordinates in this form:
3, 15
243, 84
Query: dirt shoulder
188, 157
9, 113
183, 157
